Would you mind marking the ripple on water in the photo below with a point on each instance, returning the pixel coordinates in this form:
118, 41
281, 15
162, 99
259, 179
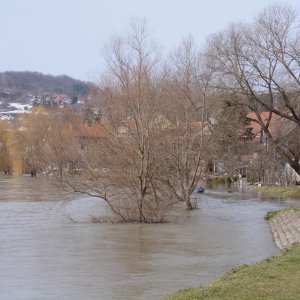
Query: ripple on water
43, 254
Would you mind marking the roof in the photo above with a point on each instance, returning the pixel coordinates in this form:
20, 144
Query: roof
275, 122
198, 126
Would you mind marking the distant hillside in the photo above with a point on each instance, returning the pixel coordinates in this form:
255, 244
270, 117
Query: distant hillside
38, 83
19, 91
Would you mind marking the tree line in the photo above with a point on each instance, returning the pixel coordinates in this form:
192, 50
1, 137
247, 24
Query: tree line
35, 82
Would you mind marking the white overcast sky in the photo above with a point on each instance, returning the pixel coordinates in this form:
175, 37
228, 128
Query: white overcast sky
65, 36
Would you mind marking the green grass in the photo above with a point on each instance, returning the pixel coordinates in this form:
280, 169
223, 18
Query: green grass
283, 191
271, 214
274, 278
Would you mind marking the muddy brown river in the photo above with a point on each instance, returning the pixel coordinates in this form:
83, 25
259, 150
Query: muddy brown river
50, 249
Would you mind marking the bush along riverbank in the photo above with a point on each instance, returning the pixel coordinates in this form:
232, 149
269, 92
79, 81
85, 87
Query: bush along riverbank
277, 277
290, 191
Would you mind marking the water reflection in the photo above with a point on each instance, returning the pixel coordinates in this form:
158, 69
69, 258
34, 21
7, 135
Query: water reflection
43, 254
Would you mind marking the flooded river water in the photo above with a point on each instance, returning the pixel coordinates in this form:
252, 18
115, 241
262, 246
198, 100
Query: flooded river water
44, 254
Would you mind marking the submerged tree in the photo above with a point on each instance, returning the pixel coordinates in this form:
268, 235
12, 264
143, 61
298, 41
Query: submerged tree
185, 97
148, 157
126, 173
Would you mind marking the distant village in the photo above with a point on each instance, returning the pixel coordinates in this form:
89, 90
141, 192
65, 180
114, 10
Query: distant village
12, 105
255, 163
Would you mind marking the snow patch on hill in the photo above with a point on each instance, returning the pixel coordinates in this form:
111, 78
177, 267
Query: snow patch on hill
16, 108
20, 107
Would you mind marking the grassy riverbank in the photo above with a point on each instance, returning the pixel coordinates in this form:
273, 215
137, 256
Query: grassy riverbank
282, 191
271, 214
274, 278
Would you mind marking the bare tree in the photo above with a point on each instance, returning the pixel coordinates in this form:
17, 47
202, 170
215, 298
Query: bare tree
126, 173
49, 140
256, 67
185, 104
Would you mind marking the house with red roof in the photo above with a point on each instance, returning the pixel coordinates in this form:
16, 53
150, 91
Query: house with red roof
279, 128
271, 120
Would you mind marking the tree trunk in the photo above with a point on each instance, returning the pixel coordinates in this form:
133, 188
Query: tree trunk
188, 202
